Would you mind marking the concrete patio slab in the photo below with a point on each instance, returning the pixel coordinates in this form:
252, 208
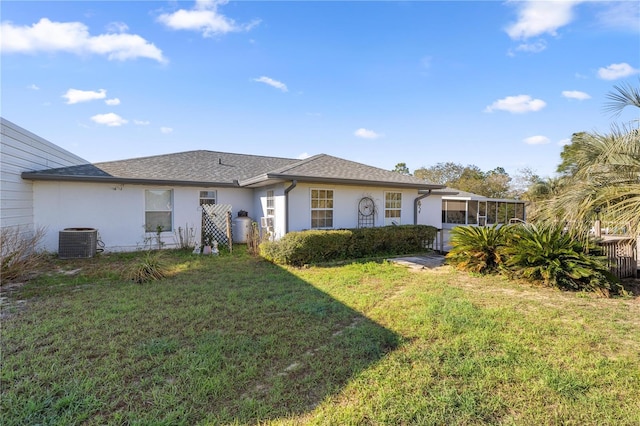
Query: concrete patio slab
428, 261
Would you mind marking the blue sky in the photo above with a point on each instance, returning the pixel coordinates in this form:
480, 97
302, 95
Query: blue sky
487, 83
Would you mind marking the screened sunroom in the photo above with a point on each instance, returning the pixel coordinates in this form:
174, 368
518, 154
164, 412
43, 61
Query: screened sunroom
477, 210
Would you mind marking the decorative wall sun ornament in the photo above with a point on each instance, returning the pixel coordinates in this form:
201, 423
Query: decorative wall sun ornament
366, 212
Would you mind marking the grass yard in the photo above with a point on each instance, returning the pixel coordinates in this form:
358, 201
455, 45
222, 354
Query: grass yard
236, 340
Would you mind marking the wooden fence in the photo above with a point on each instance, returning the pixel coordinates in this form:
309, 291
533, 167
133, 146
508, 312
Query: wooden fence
622, 255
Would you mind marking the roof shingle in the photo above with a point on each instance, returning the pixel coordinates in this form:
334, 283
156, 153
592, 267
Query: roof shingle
223, 168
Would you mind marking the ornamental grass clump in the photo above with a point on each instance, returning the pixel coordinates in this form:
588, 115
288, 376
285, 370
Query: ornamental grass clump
19, 254
151, 267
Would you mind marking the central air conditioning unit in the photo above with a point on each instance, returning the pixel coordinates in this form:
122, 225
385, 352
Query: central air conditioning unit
266, 223
77, 243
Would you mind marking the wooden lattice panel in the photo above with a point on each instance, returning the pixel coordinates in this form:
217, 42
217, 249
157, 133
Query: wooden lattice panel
216, 221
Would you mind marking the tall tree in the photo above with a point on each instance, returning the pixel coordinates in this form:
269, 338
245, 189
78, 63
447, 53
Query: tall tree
601, 173
441, 173
402, 169
497, 183
523, 181
470, 178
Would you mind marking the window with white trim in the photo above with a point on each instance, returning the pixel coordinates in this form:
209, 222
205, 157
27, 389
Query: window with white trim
271, 203
392, 208
208, 197
158, 210
321, 208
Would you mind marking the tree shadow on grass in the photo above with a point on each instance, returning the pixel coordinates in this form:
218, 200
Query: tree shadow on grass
227, 341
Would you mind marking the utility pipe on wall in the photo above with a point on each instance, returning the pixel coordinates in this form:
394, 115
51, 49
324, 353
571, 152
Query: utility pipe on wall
286, 205
415, 206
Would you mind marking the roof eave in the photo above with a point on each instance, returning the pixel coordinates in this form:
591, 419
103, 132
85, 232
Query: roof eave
120, 180
482, 198
360, 182
443, 193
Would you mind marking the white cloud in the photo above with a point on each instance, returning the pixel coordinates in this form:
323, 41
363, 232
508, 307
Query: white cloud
33, 87
366, 134
303, 156
112, 102
141, 122
204, 18
537, 140
563, 142
540, 17
535, 47
166, 130
74, 96
117, 27
110, 119
616, 71
623, 15
271, 82
517, 104
575, 94
74, 37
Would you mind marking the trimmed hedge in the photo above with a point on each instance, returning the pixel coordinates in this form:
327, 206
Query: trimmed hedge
315, 246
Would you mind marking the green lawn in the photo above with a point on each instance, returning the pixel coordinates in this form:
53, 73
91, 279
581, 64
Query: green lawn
236, 340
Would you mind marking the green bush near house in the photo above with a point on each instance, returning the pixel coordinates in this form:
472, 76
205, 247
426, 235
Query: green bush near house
477, 249
547, 255
316, 246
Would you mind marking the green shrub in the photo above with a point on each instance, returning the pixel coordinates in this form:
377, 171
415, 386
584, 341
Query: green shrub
299, 248
477, 249
315, 246
151, 267
550, 256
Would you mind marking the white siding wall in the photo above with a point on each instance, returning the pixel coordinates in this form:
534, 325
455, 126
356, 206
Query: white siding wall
345, 205
21, 150
118, 211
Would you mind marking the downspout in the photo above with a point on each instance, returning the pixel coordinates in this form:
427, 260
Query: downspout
415, 219
286, 205
415, 206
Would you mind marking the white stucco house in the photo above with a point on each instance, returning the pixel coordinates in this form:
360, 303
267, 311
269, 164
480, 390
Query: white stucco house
127, 200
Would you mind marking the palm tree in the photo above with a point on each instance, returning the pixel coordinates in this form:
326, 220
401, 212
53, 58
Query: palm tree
624, 95
601, 173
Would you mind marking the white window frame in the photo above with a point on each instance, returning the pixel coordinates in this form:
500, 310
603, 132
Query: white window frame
392, 208
169, 209
270, 205
207, 196
322, 205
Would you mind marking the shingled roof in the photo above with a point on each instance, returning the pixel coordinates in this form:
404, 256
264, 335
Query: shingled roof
211, 168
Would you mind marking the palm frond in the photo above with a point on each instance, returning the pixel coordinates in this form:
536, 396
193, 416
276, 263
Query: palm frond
624, 95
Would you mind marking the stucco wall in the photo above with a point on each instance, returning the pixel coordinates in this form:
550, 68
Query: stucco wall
346, 199
430, 211
118, 212
260, 207
21, 150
